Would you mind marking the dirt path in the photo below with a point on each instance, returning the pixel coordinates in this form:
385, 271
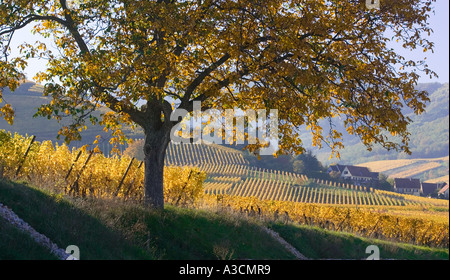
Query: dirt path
285, 244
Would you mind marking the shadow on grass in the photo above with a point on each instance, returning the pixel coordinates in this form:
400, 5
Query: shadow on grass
66, 224
113, 229
317, 243
17, 245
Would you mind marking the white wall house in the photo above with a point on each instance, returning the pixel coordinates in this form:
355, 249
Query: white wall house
357, 174
408, 186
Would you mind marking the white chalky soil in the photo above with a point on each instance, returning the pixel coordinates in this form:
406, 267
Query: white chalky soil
15, 220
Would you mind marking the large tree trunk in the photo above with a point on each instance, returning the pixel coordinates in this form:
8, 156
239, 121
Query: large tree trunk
155, 150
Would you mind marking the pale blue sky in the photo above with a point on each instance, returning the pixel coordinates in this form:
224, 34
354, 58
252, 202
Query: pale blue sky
437, 61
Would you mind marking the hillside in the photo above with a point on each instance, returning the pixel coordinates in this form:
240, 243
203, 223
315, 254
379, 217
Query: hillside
233, 187
426, 169
429, 134
135, 232
25, 101
175, 233
429, 131
229, 172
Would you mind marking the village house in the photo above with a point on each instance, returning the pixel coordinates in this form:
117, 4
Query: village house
444, 191
407, 186
431, 189
428, 189
357, 174
415, 187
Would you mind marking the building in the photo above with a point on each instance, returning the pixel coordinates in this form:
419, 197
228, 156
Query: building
336, 168
428, 189
415, 187
407, 186
444, 191
357, 174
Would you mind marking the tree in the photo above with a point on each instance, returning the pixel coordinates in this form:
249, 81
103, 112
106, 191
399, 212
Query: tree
135, 150
298, 166
308, 164
311, 60
281, 162
384, 182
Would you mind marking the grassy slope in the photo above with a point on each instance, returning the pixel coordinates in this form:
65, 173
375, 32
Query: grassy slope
317, 243
16, 245
115, 230
65, 224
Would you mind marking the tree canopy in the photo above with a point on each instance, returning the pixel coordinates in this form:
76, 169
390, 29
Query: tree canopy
312, 60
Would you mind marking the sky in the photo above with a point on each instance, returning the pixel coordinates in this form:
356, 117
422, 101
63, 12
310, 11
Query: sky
437, 61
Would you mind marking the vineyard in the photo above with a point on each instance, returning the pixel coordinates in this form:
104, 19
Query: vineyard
237, 186
238, 180
231, 184
81, 172
193, 154
363, 221
406, 168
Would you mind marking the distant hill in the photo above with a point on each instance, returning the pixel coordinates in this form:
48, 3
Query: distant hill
427, 169
26, 99
429, 134
429, 131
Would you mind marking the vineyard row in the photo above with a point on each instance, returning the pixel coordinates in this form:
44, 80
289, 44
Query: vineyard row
358, 220
287, 191
192, 154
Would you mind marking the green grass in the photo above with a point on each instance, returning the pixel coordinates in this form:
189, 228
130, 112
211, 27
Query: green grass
106, 229
179, 233
318, 243
65, 224
113, 229
17, 245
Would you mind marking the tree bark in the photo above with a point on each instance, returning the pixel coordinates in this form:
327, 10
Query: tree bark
156, 142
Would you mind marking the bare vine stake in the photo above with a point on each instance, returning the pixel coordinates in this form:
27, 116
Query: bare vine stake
25, 155
81, 171
184, 187
73, 164
134, 178
375, 226
123, 177
346, 217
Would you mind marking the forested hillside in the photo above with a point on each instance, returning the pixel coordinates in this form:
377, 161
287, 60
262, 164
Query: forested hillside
429, 131
25, 101
429, 134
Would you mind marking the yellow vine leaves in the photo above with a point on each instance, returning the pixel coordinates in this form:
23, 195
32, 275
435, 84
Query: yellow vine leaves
314, 61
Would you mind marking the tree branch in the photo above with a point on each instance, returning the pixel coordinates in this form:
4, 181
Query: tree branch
199, 79
30, 18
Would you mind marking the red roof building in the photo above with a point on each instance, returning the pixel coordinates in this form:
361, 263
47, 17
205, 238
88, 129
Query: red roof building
444, 191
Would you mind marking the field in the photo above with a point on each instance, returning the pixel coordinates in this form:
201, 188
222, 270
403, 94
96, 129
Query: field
417, 168
233, 185
444, 178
